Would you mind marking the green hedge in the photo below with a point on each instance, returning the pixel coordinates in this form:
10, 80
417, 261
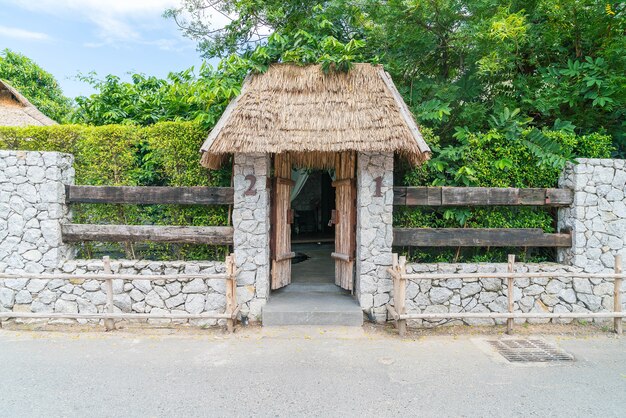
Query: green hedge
489, 160
165, 154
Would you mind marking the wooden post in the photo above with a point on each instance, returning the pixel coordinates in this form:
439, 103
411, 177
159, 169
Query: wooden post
401, 295
231, 292
109, 323
617, 296
510, 284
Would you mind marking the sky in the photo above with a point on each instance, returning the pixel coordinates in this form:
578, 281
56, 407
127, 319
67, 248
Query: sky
67, 37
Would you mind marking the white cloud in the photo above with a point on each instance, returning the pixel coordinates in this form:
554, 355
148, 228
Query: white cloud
116, 20
23, 34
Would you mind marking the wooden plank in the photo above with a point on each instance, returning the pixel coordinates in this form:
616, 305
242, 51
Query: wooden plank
617, 295
339, 256
478, 196
104, 277
212, 235
285, 181
392, 312
559, 197
286, 256
423, 196
505, 275
223, 276
345, 219
343, 182
478, 237
108, 323
116, 315
504, 315
532, 197
231, 292
481, 196
145, 195
280, 225
509, 293
399, 196
400, 297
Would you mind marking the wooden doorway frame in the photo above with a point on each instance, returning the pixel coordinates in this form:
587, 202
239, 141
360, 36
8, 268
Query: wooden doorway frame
280, 222
344, 219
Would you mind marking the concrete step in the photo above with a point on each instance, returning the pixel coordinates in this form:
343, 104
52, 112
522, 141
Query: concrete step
292, 307
324, 287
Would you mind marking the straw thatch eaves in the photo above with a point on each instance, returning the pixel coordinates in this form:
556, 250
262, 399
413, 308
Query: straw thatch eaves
16, 110
301, 110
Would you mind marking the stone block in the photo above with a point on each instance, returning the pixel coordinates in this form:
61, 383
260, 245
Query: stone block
195, 303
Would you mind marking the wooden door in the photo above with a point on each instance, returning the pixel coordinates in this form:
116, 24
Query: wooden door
282, 218
345, 219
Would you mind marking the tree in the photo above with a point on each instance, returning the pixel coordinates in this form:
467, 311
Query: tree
460, 64
464, 63
251, 22
36, 84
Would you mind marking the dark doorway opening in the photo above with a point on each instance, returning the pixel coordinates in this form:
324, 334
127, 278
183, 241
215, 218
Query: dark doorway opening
313, 236
313, 208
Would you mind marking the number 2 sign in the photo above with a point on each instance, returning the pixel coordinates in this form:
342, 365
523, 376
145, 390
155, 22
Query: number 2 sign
251, 190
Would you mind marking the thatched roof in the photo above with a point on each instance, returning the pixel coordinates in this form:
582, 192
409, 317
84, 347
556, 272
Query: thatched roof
16, 110
299, 109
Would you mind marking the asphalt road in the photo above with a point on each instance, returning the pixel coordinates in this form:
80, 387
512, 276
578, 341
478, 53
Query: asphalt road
299, 373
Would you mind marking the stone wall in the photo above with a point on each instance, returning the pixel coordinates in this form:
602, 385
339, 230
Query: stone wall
597, 219
32, 207
374, 235
138, 296
252, 227
490, 295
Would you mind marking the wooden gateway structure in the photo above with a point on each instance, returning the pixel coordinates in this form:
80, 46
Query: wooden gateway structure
349, 125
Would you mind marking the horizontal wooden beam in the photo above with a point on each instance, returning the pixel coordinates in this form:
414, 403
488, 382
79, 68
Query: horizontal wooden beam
116, 315
147, 195
340, 256
503, 315
111, 276
481, 196
286, 256
478, 237
211, 235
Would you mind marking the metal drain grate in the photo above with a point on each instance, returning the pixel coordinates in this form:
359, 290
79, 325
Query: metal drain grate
530, 351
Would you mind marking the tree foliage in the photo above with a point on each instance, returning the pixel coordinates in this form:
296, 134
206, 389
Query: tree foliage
37, 85
460, 63
249, 23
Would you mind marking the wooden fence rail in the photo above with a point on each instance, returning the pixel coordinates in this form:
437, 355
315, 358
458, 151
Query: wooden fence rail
214, 235
232, 308
400, 278
145, 195
481, 196
479, 237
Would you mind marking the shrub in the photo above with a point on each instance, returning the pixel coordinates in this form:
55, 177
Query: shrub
164, 154
490, 160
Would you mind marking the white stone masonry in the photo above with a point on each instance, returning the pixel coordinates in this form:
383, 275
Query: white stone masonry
251, 240
597, 219
374, 234
32, 208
